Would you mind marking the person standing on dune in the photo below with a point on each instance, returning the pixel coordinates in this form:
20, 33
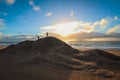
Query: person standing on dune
46, 34
38, 37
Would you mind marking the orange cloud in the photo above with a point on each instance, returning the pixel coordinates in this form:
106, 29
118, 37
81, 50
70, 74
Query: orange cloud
113, 30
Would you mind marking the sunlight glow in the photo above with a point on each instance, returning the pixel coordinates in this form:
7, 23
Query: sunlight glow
103, 39
65, 29
68, 28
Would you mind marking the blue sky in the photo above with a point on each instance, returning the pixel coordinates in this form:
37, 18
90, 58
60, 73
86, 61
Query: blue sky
31, 17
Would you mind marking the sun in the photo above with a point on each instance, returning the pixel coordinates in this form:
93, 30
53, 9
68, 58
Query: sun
65, 29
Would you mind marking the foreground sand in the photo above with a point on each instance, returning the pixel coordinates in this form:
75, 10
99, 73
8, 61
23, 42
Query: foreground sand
2, 47
47, 71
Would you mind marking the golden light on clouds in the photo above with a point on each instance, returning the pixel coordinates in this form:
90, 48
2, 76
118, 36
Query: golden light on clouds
103, 39
113, 30
66, 29
82, 30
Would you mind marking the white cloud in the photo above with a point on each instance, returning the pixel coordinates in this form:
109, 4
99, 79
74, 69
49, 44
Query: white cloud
24, 37
113, 30
69, 28
10, 1
0, 35
102, 23
76, 26
2, 23
72, 13
36, 8
48, 14
85, 26
31, 2
115, 17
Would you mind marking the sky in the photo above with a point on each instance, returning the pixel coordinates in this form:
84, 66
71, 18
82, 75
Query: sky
71, 20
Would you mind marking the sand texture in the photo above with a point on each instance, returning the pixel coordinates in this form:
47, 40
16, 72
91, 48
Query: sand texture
52, 59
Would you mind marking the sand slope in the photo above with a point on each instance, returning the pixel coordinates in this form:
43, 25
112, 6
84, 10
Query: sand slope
51, 59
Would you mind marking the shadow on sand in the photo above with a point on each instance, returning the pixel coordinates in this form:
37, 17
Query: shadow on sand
51, 59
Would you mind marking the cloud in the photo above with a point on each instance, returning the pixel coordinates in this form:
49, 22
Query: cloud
85, 27
48, 14
0, 35
104, 39
115, 17
84, 36
102, 23
23, 37
72, 13
36, 8
94, 36
72, 31
76, 26
80, 36
63, 29
113, 30
10, 1
17, 38
70, 27
2, 23
81, 30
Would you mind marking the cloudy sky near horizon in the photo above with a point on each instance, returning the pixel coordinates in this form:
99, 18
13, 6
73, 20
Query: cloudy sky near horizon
72, 20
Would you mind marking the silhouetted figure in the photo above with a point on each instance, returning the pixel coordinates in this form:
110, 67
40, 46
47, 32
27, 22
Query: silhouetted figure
38, 37
47, 34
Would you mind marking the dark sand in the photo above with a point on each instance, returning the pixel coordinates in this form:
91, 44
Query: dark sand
2, 47
57, 61
113, 51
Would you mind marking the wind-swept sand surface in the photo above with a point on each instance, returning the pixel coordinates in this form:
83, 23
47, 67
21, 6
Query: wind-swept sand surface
116, 52
113, 51
2, 47
51, 59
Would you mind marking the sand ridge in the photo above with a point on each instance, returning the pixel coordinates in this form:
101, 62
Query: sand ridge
38, 59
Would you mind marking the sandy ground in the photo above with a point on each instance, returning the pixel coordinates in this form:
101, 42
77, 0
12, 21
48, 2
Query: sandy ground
116, 52
47, 71
2, 47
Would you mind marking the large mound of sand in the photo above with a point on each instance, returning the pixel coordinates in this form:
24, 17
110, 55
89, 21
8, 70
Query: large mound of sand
55, 51
40, 58
41, 49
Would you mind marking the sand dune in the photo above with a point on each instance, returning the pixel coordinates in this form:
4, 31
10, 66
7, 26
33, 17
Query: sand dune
52, 59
